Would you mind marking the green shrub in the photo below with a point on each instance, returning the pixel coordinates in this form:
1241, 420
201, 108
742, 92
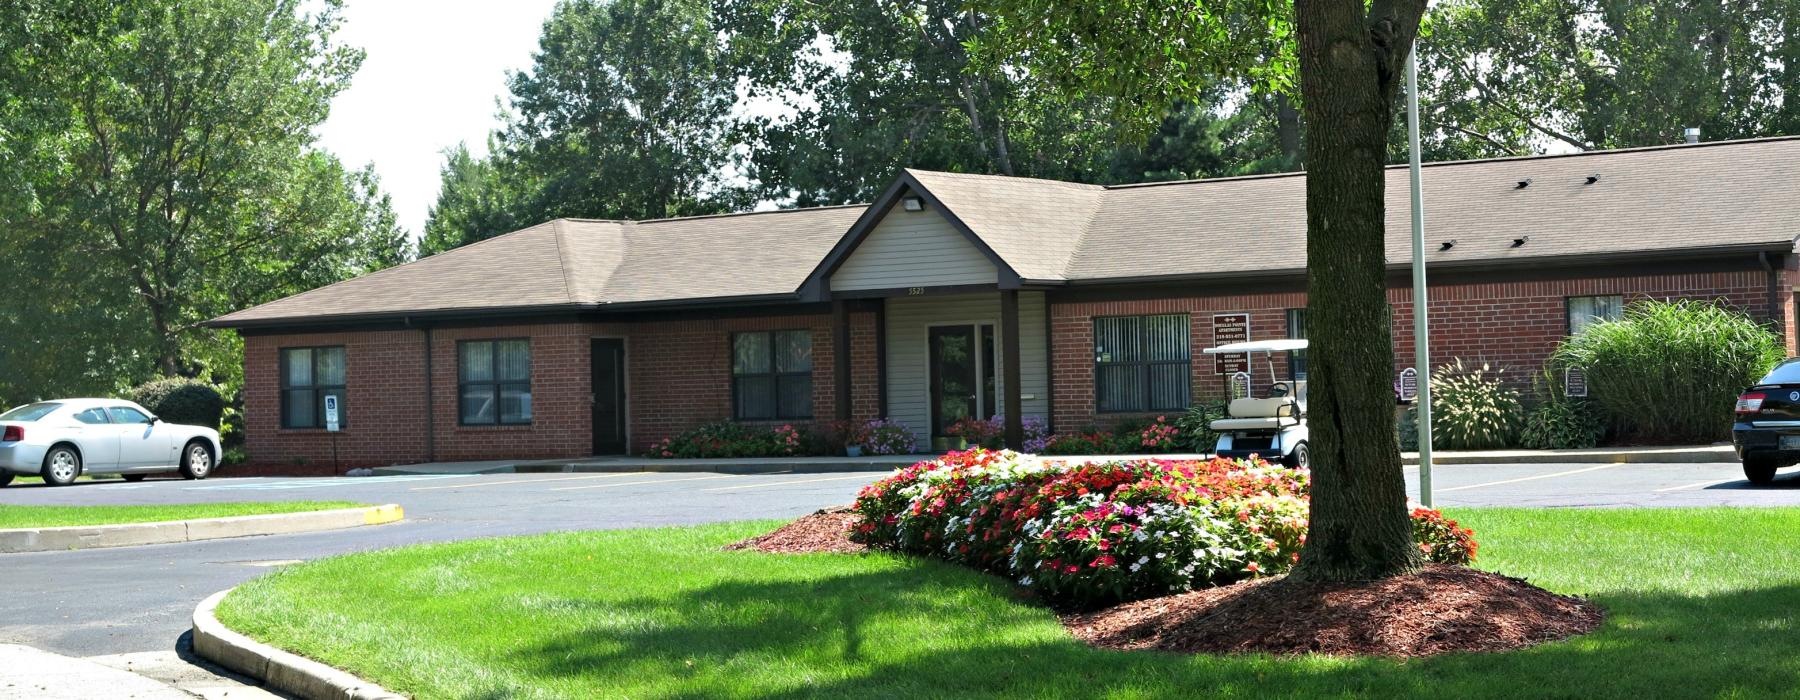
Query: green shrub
1473, 409
182, 401
1668, 372
1560, 422
728, 439
1196, 427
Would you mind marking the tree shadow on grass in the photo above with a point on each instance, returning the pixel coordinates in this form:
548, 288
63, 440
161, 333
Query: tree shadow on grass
934, 630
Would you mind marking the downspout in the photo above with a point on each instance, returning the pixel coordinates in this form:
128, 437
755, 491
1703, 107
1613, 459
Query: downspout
430, 415
1777, 315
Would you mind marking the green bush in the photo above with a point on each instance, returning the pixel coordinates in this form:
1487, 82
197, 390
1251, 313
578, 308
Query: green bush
1473, 409
1560, 422
1668, 372
182, 401
1196, 427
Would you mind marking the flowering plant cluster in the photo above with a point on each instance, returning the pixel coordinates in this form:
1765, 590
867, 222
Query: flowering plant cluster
887, 437
1156, 436
726, 439
1159, 436
1098, 533
991, 433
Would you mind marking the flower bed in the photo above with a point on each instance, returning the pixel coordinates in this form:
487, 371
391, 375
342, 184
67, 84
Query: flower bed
1099, 533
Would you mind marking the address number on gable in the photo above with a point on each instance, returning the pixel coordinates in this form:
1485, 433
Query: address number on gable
915, 291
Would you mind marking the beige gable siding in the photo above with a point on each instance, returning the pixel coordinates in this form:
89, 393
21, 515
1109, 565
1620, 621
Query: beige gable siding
914, 249
908, 321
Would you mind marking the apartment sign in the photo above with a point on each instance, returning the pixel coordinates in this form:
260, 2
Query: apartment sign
1227, 329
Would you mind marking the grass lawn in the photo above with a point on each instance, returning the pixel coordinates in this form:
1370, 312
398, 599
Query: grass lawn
62, 516
1701, 603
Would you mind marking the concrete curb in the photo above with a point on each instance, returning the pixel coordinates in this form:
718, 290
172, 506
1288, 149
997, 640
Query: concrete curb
56, 539
1661, 455
277, 669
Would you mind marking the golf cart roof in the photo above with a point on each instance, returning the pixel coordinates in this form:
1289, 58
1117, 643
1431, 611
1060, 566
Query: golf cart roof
1278, 345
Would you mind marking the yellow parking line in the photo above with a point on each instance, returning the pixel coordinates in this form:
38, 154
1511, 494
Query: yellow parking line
653, 481
1533, 478
607, 475
796, 481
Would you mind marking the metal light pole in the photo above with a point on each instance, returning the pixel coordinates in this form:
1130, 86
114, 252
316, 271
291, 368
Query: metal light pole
1421, 339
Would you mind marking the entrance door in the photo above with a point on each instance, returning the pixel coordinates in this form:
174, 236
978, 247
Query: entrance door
607, 360
962, 374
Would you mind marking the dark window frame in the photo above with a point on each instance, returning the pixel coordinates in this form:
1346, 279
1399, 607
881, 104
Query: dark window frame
495, 384
1187, 329
318, 390
1569, 309
774, 375
1296, 358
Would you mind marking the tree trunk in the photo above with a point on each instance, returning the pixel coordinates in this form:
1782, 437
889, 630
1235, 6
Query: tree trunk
1349, 69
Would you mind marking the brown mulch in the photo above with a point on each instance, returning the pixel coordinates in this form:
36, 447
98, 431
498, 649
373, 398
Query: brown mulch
1437, 610
825, 531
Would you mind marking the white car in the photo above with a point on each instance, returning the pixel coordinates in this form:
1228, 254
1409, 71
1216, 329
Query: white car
63, 439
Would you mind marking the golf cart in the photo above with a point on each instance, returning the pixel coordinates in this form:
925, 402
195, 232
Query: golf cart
1273, 427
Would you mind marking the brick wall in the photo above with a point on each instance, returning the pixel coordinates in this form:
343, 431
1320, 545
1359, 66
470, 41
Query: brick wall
678, 376
1512, 324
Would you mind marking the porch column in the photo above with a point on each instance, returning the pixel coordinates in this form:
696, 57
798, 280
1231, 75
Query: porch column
1014, 405
840, 357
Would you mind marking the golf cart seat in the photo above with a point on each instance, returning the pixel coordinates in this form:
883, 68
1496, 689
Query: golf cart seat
1259, 414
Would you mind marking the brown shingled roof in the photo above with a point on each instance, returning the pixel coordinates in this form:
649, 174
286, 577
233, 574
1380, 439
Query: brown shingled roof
1670, 200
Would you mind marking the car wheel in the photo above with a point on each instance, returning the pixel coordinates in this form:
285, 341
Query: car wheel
1760, 470
196, 460
134, 478
61, 465
5, 478
1300, 458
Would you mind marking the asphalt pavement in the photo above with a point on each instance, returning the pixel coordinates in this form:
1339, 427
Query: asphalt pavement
114, 601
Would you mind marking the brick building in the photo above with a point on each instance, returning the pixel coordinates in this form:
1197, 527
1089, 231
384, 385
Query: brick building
955, 295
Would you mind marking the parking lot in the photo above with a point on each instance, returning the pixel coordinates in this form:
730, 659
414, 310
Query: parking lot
137, 599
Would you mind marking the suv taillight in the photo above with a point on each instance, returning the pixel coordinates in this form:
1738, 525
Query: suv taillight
1751, 402
13, 434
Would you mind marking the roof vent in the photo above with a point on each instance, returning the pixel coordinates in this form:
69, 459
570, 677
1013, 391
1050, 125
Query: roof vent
1520, 241
1523, 184
1692, 134
1448, 245
1591, 179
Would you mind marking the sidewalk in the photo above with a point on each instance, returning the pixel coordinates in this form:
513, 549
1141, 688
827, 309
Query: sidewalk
1709, 454
27, 673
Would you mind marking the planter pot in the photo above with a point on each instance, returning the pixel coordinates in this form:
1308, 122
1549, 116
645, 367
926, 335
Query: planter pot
853, 451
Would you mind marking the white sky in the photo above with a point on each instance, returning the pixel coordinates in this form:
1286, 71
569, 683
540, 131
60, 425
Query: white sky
430, 79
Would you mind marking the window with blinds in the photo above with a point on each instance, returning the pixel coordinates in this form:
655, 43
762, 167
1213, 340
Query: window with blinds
1141, 363
494, 382
771, 375
308, 375
1587, 311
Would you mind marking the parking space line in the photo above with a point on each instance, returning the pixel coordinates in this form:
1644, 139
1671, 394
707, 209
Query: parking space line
608, 475
1532, 478
653, 481
322, 482
1697, 485
794, 481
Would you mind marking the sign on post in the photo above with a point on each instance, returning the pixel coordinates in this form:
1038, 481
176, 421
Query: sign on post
1409, 384
1240, 385
331, 413
1227, 329
1575, 383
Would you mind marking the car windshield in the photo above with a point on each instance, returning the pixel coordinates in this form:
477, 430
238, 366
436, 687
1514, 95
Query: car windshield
30, 412
1786, 373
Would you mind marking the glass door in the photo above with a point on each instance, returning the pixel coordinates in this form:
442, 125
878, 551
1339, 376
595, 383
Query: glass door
963, 380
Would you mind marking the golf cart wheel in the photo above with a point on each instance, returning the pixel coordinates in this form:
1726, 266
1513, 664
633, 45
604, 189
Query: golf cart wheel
1760, 470
5, 478
61, 466
134, 478
1300, 458
196, 460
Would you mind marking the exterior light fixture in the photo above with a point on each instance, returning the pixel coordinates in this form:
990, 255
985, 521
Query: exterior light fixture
912, 204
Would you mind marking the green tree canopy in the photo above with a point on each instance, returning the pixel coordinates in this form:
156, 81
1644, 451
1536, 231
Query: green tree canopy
161, 172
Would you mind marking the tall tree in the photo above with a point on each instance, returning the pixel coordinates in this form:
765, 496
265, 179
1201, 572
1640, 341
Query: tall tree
624, 112
1505, 77
477, 198
1347, 56
166, 174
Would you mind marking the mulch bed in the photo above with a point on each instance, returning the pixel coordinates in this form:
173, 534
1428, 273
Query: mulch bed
825, 531
1437, 610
